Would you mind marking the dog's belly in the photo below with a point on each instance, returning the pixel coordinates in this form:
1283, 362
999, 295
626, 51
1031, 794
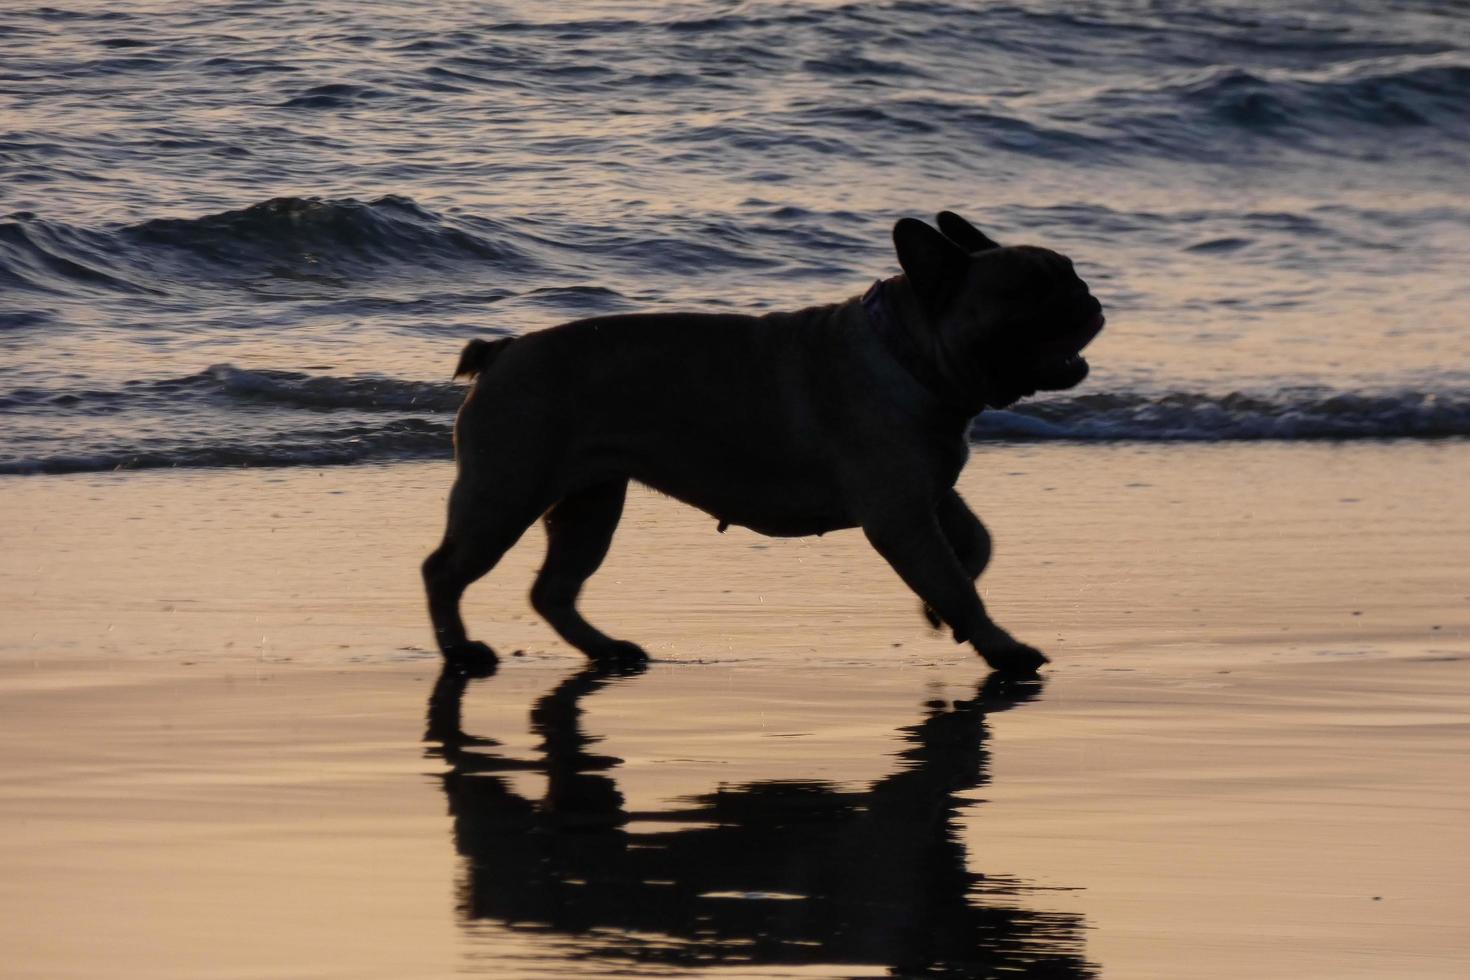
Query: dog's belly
775, 501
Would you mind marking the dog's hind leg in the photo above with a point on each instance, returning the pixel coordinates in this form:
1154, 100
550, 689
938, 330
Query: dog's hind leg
483, 525
579, 530
967, 537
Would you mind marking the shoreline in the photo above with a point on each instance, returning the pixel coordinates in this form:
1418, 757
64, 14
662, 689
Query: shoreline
1098, 551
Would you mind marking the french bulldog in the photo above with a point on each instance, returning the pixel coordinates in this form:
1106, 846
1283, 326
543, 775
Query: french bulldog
854, 414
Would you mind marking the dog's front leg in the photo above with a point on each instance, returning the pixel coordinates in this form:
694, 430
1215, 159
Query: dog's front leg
966, 536
911, 540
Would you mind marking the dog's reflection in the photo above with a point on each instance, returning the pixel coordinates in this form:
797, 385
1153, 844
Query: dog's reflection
770, 873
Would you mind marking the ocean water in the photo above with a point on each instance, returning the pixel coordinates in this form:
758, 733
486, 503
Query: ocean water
258, 234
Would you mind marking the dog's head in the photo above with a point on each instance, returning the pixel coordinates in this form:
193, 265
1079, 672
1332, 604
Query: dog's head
1004, 322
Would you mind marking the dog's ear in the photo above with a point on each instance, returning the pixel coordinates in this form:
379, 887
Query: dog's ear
934, 264
964, 234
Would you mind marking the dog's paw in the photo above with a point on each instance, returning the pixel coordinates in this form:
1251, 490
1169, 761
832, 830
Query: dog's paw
473, 658
930, 616
618, 653
1015, 658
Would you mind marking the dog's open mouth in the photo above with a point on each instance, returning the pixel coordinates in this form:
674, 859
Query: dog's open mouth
1060, 364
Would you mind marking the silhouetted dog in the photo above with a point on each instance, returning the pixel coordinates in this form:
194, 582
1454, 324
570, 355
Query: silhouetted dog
850, 415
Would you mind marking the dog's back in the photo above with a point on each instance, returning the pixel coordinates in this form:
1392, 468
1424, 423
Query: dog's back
712, 409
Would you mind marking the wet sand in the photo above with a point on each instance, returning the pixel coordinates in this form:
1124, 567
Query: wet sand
227, 751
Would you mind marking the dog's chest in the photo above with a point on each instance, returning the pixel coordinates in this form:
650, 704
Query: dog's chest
950, 457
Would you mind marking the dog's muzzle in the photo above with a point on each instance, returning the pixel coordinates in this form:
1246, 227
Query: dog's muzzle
1060, 364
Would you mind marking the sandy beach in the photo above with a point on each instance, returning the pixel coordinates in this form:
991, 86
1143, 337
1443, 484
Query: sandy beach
228, 750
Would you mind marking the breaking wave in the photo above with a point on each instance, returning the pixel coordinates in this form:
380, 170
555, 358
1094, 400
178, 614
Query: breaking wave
291, 238
215, 419
1303, 414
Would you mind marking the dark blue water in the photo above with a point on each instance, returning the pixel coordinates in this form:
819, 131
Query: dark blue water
259, 234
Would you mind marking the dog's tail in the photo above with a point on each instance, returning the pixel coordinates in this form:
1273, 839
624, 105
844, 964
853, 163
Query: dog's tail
479, 355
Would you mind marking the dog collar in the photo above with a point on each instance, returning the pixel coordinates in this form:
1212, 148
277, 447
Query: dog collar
899, 341
905, 348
